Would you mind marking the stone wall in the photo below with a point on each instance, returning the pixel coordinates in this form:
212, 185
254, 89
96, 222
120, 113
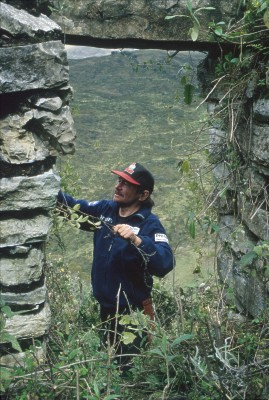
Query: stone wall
239, 137
35, 126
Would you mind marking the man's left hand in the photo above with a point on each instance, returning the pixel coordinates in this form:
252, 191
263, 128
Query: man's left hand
126, 232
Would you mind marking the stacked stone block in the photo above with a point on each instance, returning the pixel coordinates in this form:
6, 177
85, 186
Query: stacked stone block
35, 126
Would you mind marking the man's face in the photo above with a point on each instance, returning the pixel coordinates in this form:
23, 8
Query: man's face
126, 194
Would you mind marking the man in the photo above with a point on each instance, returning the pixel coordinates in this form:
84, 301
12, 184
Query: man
130, 247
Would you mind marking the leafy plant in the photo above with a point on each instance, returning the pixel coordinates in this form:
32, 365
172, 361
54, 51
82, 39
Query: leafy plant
192, 15
201, 360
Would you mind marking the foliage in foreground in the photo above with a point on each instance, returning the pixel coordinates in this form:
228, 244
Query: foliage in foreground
199, 350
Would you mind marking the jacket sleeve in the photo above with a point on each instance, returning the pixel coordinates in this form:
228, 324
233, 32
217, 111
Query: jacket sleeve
89, 208
156, 250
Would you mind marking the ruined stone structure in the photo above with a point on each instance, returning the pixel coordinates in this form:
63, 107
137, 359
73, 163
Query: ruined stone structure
239, 149
36, 126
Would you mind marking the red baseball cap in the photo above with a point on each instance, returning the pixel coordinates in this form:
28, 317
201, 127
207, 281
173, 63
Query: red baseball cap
136, 174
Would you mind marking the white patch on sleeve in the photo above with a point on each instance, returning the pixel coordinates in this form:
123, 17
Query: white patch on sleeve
161, 237
92, 203
135, 229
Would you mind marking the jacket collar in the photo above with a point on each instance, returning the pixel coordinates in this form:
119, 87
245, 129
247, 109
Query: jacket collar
141, 214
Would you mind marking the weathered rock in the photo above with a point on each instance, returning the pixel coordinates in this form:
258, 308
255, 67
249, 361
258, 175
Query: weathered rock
19, 250
66, 93
253, 182
34, 7
225, 263
252, 84
37, 66
21, 270
15, 359
56, 126
29, 325
26, 193
261, 110
19, 23
236, 318
226, 202
227, 224
236, 235
17, 143
250, 295
217, 143
255, 217
263, 169
18, 231
260, 144
31, 298
35, 135
51, 104
246, 291
223, 174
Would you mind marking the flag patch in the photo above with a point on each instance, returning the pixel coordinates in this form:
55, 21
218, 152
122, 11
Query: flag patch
161, 237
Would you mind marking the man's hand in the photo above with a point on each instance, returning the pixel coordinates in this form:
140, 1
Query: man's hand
126, 232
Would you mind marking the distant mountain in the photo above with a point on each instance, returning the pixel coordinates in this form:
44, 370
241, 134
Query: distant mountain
80, 52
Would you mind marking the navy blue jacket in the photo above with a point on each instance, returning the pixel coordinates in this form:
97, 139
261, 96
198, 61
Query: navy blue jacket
117, 263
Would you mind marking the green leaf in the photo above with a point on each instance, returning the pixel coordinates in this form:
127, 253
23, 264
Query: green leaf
164, 342
192, 229
189, 7
7, 311
7, 337
128, 337
215, 228
246, 259
266, 271
174, 16
5, 373
223, 193
6, 376
76, 207
266, 18
125, 320
156, 351
170, 358
258, 250
206, 8
112, 397
218, 31
188, 93
82, 219
183, 80
73, 354
253, 273
185, 167
74, 216
194, 32
96, 388
182, 338
83, 371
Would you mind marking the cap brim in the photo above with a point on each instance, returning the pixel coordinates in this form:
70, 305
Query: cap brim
126, 177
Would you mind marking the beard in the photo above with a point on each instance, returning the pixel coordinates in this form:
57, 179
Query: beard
125, 203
